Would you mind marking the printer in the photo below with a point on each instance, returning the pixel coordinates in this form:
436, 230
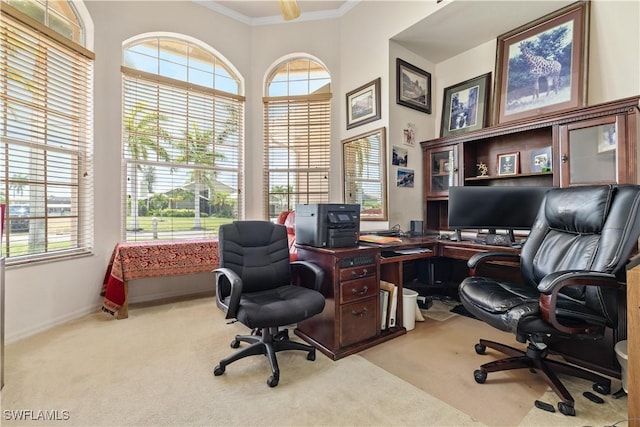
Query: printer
327, 225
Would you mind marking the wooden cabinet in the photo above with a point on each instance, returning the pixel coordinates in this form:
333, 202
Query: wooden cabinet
590, 145
441, 170
351, 320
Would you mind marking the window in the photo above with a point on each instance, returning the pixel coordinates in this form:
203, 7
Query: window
182, 140
45, 130
297, 129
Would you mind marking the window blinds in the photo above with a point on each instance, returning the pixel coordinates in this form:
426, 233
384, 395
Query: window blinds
46, 131
297, 151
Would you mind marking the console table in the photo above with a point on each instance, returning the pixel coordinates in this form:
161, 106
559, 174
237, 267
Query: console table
136, 260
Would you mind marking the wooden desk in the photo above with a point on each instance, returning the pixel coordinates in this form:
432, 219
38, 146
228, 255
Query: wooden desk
351, 319
136, 260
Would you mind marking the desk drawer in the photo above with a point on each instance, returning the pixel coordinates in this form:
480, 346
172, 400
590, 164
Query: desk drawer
358, 321
352, 290
357, 272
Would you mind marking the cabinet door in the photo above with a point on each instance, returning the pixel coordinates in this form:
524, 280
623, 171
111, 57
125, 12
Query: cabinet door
593, 152
442, 170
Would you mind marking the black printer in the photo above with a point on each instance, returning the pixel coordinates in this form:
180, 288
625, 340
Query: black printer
328, 225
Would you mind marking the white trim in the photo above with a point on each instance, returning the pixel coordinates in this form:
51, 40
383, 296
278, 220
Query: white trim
277, 19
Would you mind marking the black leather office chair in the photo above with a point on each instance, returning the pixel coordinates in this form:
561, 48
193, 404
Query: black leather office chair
254, 286
573, 270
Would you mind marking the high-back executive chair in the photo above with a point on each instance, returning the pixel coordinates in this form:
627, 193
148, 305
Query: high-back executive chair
254, 286
573, 270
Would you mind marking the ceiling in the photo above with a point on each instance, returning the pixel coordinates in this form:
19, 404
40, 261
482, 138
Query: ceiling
455, 27
264, 12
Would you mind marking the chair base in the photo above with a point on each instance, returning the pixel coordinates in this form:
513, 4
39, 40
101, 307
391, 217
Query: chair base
267, 341
535, 359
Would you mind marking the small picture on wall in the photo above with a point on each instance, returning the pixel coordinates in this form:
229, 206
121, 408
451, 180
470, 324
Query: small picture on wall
400, 156
405, 177
409, 135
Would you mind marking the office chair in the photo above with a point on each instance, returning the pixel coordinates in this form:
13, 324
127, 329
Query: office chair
573, 272
254, 286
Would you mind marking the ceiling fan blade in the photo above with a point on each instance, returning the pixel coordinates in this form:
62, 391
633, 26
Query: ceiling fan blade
289, 9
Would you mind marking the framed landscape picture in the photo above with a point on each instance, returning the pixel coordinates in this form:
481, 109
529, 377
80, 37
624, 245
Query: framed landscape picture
541, 67
466, 106
363, 104
413, 87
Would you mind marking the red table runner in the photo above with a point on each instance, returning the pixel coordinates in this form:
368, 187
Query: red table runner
135, 260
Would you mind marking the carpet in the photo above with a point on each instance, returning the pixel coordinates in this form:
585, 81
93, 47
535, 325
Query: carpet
439, 358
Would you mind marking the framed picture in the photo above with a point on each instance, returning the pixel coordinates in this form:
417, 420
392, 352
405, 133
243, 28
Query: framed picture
541, 67
608, 139
541, 160
443, 166
508, 163
413, 87
405, 177
409, 134
399, 156
466, 106
363, 104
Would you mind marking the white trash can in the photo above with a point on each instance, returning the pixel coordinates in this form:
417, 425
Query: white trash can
409, 304
621, 354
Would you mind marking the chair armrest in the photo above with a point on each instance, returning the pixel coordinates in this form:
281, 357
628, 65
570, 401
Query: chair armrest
478, 260
550, 286
302, 267
228, 283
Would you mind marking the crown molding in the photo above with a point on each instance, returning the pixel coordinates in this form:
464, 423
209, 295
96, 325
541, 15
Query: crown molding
277, 19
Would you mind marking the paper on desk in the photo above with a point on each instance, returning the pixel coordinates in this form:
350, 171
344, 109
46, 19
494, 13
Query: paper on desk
412, 251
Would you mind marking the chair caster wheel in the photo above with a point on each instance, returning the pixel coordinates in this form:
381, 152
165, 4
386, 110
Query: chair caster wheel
602, 388
480, 349
479, 376
312, 355
235, 344
218, 370
272, 381
566, 409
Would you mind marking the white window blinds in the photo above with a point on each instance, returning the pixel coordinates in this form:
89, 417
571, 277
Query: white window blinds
182, 147
46, 156
297, 151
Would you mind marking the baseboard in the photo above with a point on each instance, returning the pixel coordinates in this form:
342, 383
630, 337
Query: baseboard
36, 329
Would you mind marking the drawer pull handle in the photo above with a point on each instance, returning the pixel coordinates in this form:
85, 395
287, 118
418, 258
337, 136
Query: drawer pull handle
364, 273
360, 292
360, 313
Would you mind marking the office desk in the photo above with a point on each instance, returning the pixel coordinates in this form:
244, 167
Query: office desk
351, 319
136, 260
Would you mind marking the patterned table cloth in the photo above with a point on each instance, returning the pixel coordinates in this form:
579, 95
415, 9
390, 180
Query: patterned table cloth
136, 260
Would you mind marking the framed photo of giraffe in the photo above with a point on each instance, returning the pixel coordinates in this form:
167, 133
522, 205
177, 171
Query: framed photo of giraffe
541, 67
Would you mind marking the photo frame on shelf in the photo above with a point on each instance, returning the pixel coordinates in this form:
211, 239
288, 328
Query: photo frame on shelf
541, 160
541, 67
444, 167
363, 104
413, 86
466, 106
608, 138
508, 164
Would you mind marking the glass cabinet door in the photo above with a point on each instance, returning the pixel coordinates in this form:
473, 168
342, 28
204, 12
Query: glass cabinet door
590, 152
443, 170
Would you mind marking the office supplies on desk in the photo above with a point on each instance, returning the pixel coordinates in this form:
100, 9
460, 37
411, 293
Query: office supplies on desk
379, 240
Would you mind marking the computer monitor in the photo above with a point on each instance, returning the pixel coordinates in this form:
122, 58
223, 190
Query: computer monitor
494, 207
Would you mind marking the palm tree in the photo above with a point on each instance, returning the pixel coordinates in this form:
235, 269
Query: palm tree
198, 148
17, 187
143, 134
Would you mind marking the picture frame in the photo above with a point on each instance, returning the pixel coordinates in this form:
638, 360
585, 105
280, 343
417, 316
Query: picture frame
541, 160
443, 167
508, 163
399, 156
363, 104
608, 138
413, 86
541, 67
465, 106
405, 177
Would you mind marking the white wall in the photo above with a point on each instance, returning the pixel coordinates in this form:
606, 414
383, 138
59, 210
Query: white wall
355, 48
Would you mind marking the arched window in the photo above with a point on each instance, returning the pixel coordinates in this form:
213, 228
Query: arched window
297, 129
183, 134
46, 129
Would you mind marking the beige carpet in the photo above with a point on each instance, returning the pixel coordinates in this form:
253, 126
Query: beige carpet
155, 369
439, 358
